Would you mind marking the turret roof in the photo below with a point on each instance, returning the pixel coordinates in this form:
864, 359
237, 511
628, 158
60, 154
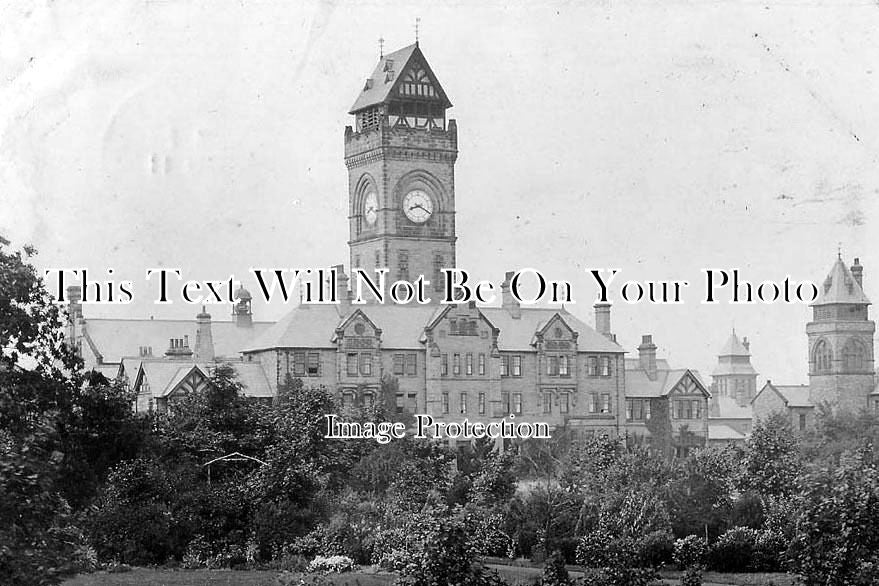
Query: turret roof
840, 287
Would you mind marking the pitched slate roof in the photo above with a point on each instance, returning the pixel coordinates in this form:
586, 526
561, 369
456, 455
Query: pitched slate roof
402, 326
638, 384
840, 287
380, 85
728, 408
734, 347
792, 395
117, 338
721, 432
165, 375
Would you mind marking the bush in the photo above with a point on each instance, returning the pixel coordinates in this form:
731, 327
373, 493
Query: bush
689, 551
692, 576
554, 572
734, 550
331, 565
655, 549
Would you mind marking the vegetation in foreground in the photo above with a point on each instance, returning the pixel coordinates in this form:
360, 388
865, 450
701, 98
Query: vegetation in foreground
85, 484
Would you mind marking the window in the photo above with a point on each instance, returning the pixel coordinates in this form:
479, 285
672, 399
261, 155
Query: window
547, 402
802, 421
679, 409
697, 409
605, 366
563, 365
400, 400
366, 364
369, 400
689, 409
399, 364
564, 403
444, 365
438, 273
313, 367
630, 408
482, 403
456, 364
552, 365
463, 399
347, 399
411, 364
299, 363
482, 364
403, 264
505, 366
854, 355
517, 365
505, 398
605, 403
469, 364
593, 366
517, 403
445, 403
413, 400
823, 356
647, 409
352, 364
593, 403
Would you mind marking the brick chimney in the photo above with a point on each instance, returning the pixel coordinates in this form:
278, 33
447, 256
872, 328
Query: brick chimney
746, 344
647, 356
858, 272
509, 302
178, 348
602, 319
241, 311
204, 339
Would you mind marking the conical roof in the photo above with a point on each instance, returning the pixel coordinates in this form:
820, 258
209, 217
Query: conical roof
840, 287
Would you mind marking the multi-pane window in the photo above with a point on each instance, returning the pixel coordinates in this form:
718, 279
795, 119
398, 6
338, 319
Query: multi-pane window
563, 365
366, 364
802, 421
593, 403
403, 264
482, 364
505, 366
456, 364
313, 364
469, 364
445, 398
352, 364
697, 409
369, 400
688, 412
438, 273
547, 402
444, 365
564, 403
482, 403
505, 399
593, 366
679, 409
299, 363
400, 399
463, 398
516, 365
823, 356
637, 409
405, 364
605, 366
552, 365
517, 403
605, 403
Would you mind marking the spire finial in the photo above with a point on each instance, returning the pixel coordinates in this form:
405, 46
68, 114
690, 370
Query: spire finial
839, 250
417, 24
381, 47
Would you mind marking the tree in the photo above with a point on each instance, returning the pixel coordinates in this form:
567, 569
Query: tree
772, 458
837, 539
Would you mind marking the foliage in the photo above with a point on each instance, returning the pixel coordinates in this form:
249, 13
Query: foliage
335, 564
554, 571
772, 458
689, 551
838, 537
742, 549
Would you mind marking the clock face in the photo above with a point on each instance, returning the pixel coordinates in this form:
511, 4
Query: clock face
418, 206
370, 208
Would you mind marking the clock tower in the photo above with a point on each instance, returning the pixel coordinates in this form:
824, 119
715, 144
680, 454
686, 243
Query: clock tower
401, 157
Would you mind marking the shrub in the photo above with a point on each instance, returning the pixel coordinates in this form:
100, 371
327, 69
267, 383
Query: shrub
331, 565
554, 572
689, 551
734, 550
692, 576
655, 549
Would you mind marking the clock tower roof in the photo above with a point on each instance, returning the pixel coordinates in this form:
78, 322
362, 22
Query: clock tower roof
402, 75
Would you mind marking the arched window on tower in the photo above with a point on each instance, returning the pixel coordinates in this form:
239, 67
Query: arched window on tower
854, 355
822, 356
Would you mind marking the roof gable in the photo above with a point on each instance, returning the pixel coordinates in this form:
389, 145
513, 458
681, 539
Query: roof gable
403, 74
734, 347
684, 382
555, 330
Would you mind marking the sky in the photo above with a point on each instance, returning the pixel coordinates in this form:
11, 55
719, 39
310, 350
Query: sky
656, 138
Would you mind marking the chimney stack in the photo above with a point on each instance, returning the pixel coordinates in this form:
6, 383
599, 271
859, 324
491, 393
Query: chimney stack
647, 356
602, 319
509, 302
178, 349
241, 311
746, 344
204, 339
858, 272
